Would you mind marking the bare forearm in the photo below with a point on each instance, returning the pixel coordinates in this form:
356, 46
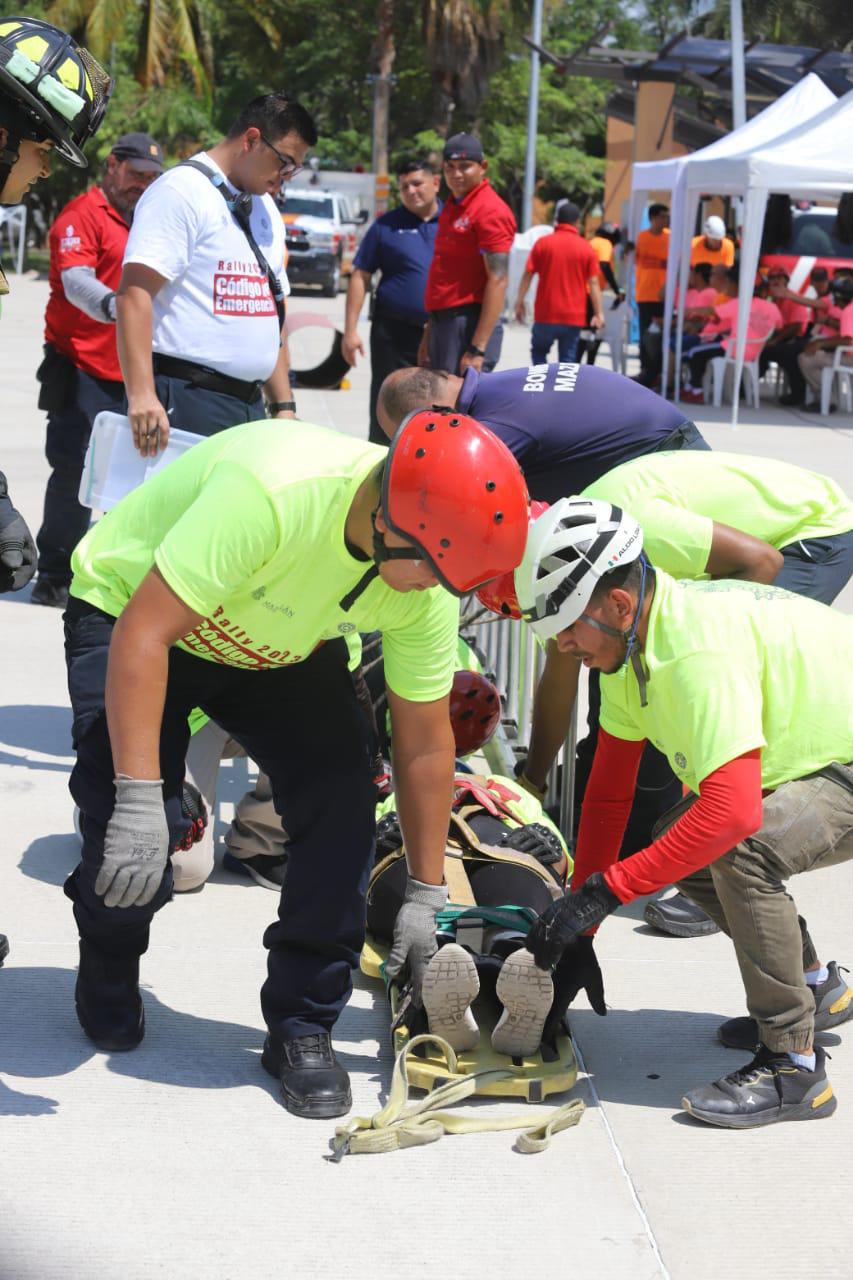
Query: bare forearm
356, 293
553, 704
135, 694
134, 326
277, 386
490, 310
424, 787
595, 298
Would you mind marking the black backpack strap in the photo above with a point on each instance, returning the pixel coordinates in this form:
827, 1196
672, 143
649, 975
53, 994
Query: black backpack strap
240, 208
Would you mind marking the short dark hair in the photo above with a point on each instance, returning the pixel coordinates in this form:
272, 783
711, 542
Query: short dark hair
411, 164
625, 576
275, 114
702, 269
419, 389
567, 212
655, 209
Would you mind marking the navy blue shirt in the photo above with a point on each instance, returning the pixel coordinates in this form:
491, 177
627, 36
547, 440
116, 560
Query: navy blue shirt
568, 424
400, 245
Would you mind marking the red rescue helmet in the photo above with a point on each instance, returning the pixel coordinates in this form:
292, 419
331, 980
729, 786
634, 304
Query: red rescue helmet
475, 711
454, 490
499, 595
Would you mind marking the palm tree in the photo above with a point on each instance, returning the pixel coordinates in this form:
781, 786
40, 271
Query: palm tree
173, 33
464, 44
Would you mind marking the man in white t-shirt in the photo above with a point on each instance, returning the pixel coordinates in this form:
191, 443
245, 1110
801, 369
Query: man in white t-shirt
199, 327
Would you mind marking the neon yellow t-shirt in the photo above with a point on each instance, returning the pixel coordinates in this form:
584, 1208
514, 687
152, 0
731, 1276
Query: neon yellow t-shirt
735, 666
247, 528
676, 497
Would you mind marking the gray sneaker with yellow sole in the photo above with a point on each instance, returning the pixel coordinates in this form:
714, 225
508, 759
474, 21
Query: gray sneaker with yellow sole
833, 1005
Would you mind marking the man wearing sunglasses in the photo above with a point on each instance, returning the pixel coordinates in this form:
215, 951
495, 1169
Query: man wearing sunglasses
201, 304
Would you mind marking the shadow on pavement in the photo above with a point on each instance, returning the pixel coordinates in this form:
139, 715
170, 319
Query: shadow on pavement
36, 728
51, 859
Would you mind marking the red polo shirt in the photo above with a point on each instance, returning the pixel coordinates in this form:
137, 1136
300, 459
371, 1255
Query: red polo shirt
481, 223
564, 263
89, 232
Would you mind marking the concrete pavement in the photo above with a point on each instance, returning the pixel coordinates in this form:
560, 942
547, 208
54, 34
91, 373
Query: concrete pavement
177, 1160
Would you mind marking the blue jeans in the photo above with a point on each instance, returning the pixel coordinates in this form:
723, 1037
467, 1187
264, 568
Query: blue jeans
543, 337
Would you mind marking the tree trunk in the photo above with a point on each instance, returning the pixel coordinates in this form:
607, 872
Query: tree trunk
385, 53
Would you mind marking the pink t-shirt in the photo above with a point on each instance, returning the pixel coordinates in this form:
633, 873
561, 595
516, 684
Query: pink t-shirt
829, 311
764, 317
845, 327
793, 313
699, 298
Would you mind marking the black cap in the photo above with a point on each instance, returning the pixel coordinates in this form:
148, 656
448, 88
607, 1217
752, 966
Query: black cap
141, 148
566, 211
464, 146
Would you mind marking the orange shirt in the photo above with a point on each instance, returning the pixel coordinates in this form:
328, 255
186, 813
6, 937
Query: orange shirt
603, 250
652, 253
699, 252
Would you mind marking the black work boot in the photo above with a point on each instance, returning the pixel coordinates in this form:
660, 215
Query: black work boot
833, 1005
768, 1089
679, 916
4, 948
52, 594
313, 1082
109, 1006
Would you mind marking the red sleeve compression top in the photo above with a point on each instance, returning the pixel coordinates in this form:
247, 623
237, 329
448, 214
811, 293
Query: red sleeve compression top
727, 811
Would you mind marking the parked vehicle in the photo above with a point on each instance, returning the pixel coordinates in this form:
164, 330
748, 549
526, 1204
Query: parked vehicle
813, 242
322, 231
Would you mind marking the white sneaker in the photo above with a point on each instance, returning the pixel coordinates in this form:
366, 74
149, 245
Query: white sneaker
527, 993
450, 984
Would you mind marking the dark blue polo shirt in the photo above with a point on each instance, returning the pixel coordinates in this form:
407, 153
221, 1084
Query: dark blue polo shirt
400, 245
568, 424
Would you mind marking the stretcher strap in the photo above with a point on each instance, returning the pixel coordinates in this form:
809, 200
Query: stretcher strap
402, 1123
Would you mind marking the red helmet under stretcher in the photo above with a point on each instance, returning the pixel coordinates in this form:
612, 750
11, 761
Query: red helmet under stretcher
475, 711
499, 595
454, 490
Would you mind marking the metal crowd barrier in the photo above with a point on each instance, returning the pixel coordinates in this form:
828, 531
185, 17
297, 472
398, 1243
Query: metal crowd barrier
513, 658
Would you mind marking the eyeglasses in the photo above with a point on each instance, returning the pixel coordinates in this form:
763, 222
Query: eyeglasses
288, 168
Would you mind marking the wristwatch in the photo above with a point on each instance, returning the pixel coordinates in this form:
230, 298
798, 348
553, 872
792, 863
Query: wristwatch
281, 406
471, 350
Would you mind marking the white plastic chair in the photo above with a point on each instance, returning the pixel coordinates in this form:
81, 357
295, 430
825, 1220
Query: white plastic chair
719, 369
844, 374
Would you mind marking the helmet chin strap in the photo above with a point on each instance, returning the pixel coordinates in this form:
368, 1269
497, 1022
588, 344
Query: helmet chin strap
381, 553
628, 636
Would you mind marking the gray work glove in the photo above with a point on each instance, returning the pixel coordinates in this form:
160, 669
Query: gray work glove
17, 549
136, 845
414, 932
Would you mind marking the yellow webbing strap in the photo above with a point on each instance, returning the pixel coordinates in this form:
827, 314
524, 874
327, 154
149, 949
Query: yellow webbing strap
401, 1123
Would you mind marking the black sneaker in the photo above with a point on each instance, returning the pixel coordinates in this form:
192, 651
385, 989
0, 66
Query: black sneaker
265, 869
679, 916
4, 948
791, 402
53, 594
313, 1082
833, 1005
768, 1089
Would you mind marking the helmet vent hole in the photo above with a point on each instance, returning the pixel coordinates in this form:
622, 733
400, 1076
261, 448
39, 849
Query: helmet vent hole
420, 453
445, 542
499, 515
490, 486
421, 526
454, 422
430, 426
466, 714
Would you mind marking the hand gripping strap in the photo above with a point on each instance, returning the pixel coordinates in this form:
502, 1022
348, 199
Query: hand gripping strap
401, 1123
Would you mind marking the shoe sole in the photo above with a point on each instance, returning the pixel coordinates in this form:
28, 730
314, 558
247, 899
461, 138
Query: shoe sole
109, 1045
450, 984
242, 867
527, 994
656, 920
840, 1011
820, 1108
327, 1109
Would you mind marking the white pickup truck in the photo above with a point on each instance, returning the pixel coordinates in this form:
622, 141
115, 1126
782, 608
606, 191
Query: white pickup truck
322, 231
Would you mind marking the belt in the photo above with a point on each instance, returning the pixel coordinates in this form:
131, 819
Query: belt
198, 375
465, 309
381, 312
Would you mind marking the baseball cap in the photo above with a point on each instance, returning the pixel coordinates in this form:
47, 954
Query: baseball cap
464, 146
141, 149
714, 227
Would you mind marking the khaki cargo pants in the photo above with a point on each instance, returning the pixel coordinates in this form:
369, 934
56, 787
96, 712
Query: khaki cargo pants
808, 825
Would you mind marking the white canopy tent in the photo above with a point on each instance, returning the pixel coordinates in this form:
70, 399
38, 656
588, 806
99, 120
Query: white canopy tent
809, 160
803, 101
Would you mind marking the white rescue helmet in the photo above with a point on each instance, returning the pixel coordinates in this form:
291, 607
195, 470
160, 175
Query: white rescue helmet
569, 548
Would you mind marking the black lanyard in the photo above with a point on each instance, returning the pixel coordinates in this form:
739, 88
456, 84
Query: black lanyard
240, 207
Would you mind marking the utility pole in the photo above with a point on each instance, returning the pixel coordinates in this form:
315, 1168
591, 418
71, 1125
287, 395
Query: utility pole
382, 100
532, 121
738, 68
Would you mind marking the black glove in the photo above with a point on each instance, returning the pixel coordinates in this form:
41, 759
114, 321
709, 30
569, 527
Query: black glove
576, 971
389, 837
575, 913
537, 839
17, 549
